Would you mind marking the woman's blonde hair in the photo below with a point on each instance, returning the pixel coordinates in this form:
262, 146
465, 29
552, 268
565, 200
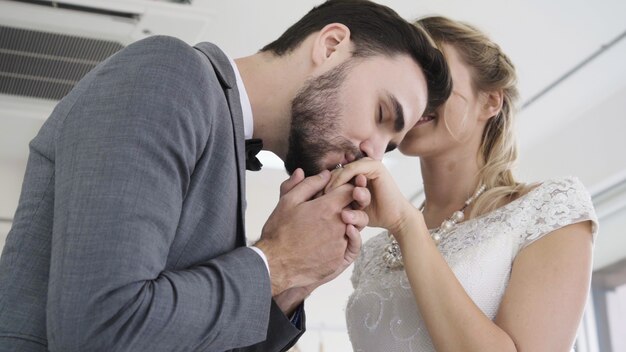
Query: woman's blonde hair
491, 70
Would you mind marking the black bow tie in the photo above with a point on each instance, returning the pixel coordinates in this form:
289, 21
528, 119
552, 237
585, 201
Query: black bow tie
253, 147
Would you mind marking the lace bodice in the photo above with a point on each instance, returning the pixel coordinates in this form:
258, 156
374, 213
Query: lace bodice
382, 314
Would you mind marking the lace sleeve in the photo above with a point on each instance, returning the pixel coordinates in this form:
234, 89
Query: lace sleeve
560, 203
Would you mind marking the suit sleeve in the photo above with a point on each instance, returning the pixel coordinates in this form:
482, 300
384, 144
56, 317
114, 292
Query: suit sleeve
282, 334
124, 155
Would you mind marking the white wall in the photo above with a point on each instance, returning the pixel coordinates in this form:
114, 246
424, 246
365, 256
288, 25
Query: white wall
4, 230
11, 174
590, 147
617, 318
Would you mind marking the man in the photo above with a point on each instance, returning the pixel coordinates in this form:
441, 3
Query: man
129, 235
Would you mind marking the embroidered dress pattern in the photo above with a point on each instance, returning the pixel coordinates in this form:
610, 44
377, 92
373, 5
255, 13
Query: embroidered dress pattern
381, 312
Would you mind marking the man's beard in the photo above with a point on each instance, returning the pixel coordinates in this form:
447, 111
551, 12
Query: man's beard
315, 123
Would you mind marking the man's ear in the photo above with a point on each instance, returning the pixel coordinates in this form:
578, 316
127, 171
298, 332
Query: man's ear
331, 43
492, 104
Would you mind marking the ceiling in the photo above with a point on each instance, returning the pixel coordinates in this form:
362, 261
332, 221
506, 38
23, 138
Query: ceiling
571, 61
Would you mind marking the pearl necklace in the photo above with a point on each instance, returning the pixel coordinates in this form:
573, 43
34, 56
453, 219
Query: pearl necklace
392, 256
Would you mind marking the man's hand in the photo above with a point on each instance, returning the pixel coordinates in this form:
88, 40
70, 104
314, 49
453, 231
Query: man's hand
311, 241
354, 219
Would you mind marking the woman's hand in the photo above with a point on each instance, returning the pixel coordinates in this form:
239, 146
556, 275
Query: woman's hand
388, 207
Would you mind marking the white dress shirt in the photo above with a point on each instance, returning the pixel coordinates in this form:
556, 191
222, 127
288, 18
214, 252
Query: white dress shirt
248, 127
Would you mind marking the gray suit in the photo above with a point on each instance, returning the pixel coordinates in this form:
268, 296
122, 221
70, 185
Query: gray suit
129, 234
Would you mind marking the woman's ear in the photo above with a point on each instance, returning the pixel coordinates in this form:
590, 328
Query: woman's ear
492, 104
330, 42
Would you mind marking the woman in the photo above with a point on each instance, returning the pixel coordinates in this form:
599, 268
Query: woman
509, 267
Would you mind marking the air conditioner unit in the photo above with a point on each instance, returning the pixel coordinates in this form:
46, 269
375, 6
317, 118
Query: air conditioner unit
48, 46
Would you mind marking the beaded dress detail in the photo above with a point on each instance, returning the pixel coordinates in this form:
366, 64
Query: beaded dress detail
382, 314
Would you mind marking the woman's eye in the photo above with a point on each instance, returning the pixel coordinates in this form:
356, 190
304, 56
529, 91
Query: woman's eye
380, 114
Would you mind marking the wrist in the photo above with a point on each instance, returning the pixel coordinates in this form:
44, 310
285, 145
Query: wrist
410, 225
405, 220
290, 299
279, 281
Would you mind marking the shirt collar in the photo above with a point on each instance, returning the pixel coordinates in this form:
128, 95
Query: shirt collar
246, 108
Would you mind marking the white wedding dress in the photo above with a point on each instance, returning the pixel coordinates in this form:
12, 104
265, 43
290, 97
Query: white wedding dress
382, 315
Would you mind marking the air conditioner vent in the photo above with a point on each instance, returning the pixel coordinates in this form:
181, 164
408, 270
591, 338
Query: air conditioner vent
80, 8
47, 65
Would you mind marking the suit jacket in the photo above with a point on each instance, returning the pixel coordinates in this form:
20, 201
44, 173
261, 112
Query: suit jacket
129, 234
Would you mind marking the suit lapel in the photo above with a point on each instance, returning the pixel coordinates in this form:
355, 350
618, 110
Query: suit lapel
226, 76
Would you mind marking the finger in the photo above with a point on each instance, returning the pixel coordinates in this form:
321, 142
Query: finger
361, 193
366, 167
360, 181
356, 218
339, 197
306, 189
295, 178
362, 197
354, 244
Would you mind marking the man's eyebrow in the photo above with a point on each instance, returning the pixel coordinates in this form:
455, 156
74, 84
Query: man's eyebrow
398, 123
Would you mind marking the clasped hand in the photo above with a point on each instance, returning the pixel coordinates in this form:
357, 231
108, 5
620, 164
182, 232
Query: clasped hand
312, 236
388, 208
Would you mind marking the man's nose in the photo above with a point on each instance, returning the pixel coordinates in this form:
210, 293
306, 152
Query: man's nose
374, 149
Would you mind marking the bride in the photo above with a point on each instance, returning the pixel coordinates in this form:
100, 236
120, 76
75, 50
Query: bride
486, 263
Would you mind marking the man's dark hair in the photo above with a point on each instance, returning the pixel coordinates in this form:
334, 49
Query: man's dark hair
375, 30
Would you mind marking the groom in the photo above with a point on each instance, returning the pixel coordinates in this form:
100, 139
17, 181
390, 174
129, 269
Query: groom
129, 235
